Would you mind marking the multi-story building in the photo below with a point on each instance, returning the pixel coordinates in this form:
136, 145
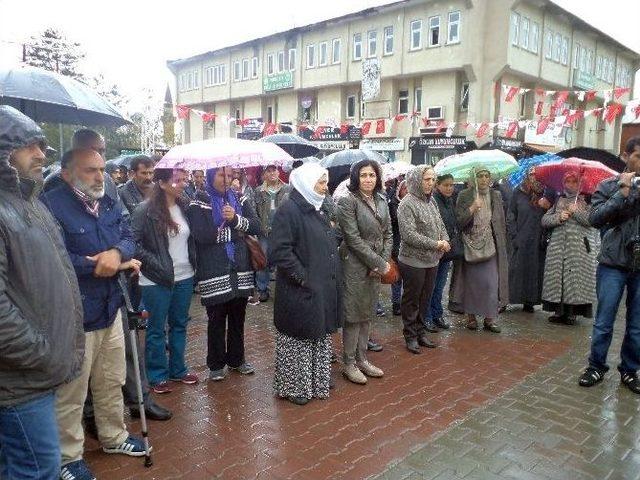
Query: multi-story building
439, 60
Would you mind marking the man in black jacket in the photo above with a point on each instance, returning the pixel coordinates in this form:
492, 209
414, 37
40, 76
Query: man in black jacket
41, 335
138, 188
615, 210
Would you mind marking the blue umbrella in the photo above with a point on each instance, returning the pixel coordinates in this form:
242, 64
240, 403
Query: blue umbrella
517, 177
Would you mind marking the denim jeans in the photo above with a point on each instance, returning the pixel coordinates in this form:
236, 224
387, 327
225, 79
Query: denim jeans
29, 445
396, 292
166, 305
610, 285
263, 277
435, 310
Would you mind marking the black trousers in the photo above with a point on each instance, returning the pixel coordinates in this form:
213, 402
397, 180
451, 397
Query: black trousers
417, 284
225, 334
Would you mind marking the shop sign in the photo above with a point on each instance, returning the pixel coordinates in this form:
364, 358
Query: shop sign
509, 144
438, 143
332, 144
352, 133
278, 81
383, 144
584, 80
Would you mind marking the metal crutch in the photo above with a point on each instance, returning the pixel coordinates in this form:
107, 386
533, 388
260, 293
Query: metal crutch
134, 321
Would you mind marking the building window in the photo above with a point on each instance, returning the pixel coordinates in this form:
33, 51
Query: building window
548, 45
311, 56
564, 51
453, 30
323, 54
269, 114
610, 77
535, 37
254, 67
351, 106
403, 101
524, 33
590, 61
598, 73
208, 76
557, 40
236, 71
292, 59
582, 64
357, 46
434, 31
182, 83
245, 69
515, 28
372, 43
464, 97
416, 34
335, 50
280, 65
271, 67
576, 57
417, 100
388, 40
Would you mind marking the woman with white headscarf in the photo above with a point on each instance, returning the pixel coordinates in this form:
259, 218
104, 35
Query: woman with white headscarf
308, 299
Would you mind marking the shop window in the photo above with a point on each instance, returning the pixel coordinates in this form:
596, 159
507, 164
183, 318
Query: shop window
403, 101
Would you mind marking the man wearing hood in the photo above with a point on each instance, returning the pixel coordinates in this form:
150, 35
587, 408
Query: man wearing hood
41, 336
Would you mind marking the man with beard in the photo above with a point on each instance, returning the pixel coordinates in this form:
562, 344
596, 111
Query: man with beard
136, 190
100, 244
41, 335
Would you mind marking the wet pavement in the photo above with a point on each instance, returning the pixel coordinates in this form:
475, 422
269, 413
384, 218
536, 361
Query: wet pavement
481, 406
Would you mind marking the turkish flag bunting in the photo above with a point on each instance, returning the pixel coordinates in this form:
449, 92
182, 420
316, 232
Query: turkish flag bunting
513, 91
244, 122
366, 126
620, 91
483, 129
561, 97
440, 126
553, 110
543, 125
636, 111
399, 117
465, 125
269, 129
208, 117
590, 95
540, 92
182, 111
425, 122
380, 126
344, 128
612, 111
539, 106
511, 129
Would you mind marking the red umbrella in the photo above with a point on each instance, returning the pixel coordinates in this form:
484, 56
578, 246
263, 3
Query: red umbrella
590, 174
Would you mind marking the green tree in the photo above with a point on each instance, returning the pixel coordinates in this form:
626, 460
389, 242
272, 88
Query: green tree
54, 52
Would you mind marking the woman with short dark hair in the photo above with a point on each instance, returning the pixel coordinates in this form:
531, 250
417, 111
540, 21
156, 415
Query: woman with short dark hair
365, 223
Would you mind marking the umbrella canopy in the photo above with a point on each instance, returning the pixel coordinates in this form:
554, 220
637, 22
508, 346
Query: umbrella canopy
47, 96
349, 157
517, 177
224, 152
590, 174
294, 145
499, 163
607, 158
341, 190
122, 161
393, 170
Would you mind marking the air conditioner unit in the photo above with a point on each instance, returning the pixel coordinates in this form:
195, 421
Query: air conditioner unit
435, 113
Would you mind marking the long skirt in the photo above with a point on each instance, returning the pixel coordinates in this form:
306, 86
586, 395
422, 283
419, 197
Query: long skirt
303, 367
481, 288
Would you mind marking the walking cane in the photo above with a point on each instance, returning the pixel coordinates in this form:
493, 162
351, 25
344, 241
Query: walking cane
134, 322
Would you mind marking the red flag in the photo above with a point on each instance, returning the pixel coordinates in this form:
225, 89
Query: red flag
399, 117
366, 126
636, 110
244, 122
596, 112
539, 106
612, 111
182, 111
513, 91
208, 117
512, 129
561, 97
620, 91
269, 129
440, 126
566, 112
425, 122
590, 95
540, 92
483, 129
465, 125
381, 126
344, 129
543, 125
552, 110
319, 131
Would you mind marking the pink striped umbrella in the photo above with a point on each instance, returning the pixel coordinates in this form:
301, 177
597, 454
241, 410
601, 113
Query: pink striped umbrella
224, 152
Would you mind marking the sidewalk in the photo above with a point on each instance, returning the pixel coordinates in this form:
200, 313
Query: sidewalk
480, 406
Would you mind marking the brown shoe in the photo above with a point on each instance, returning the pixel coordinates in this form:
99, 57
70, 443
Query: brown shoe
472, 324
492, 327
353, 374
370, 370
424, 341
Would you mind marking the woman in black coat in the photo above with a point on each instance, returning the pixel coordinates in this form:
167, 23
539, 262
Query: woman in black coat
308, 302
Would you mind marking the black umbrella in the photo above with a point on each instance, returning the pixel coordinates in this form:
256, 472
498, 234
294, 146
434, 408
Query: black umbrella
47, 96
294, 145
349, 157
122, 161
586, 153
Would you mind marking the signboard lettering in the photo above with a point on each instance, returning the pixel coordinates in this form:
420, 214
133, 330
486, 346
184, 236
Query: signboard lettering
278, 81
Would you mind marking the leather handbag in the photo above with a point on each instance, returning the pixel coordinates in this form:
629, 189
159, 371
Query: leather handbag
258, 257
478, 250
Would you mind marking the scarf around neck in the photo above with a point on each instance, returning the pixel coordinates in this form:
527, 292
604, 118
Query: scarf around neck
217, 201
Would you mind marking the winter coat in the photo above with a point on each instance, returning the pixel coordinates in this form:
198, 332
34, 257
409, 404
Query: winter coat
153, 245
421, 227
366, 246
570, 269
262, 201
41, 334
526, 262
618, 219
303, 247
499, 230
394, 202
447, 209
131, 195
220, 279
84, 236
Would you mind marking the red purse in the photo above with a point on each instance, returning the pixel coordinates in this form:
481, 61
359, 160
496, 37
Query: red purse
393, 275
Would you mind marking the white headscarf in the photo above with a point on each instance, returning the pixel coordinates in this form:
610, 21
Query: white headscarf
304, 179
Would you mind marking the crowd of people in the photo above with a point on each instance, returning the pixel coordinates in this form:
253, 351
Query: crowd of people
68, 242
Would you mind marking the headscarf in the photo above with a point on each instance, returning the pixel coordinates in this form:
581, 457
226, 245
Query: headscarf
413, 181
568, 175
473, 182
218, 200
532, 188
304, 179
